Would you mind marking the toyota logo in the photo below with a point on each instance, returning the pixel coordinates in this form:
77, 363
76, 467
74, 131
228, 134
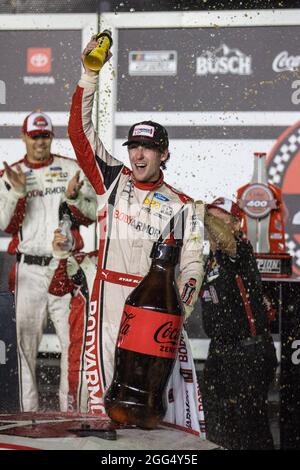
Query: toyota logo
39, 60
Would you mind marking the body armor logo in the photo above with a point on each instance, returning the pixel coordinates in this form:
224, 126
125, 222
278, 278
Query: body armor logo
284, 171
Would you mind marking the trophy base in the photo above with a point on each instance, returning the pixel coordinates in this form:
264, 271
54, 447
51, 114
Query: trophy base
274, 265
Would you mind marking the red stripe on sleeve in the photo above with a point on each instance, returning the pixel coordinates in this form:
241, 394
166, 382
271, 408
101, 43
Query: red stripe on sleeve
247, 306
82, 147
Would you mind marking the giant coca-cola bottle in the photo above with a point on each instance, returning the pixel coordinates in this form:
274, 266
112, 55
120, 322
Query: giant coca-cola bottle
147, 344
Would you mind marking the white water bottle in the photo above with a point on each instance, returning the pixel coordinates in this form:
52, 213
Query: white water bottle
65, 225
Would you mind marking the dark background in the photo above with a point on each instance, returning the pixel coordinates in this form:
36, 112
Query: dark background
92, 6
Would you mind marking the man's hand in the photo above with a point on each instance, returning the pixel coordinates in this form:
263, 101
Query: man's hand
58, 240
74, 186
17, 178
89, 47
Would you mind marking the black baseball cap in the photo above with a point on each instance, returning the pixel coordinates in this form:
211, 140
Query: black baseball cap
148, 132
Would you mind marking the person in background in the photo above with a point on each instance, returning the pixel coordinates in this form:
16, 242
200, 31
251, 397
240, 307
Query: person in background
31, 192
241, 361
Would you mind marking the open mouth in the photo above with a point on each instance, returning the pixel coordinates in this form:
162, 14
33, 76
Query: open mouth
140, 166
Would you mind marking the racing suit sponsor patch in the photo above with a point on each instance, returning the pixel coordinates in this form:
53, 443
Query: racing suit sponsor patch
188, 291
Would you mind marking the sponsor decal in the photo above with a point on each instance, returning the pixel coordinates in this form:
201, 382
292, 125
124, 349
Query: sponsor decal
187, 375
55, 168
284, 62
28, 172
224, 61
214, 295
269, 266
158, 333
38, 80
188, 291
205, 295
152, 63
212, 270
40, 122
57, 174
188, 422
166, 210
283, 170
91, 365
143, 130
2, 352
161, 197
257, 201
46, 192
39, 60
136, 224
182, 350
152, 203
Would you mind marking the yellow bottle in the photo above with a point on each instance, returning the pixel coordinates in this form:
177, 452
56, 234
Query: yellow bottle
96, 58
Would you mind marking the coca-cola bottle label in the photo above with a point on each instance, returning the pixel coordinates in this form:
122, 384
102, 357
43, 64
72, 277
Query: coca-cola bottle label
149, 332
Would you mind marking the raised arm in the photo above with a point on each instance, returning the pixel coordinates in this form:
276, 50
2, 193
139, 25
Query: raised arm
98, 165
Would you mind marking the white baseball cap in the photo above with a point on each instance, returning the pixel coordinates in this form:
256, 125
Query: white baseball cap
228, 206
37, 123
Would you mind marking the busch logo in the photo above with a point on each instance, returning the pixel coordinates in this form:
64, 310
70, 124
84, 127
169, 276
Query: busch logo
269, 266
166, 333
283, 62
224, 61
2, 352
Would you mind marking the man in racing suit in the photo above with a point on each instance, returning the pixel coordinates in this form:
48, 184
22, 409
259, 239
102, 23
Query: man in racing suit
75, 273
31, 192
136, 208
241, 361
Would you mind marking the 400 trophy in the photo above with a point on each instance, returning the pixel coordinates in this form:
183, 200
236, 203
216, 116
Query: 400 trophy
263, 222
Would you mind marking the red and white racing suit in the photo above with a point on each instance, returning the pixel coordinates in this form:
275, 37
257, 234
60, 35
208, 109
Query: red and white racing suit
31, 216
132, 216
75, 275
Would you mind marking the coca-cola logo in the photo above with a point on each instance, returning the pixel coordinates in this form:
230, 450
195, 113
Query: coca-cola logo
167, 333
125, 323
284, 62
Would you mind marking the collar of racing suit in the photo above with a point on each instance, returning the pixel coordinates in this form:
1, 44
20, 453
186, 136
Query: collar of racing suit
38, 165
149, 186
